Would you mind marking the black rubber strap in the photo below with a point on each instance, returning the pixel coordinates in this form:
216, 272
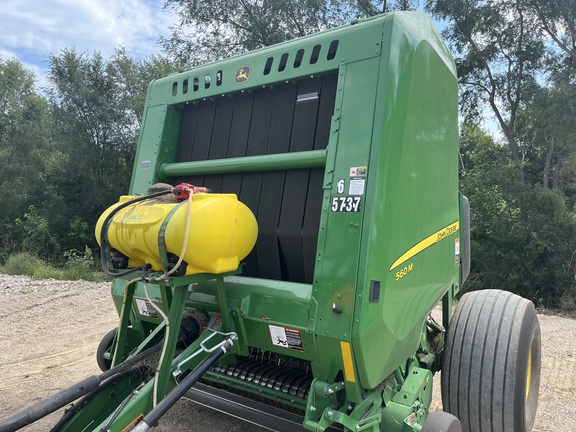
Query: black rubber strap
162, 236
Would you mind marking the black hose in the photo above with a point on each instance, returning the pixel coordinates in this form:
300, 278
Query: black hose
104, 232
76, 407
174, 396
48, 406
69, 395
117, 411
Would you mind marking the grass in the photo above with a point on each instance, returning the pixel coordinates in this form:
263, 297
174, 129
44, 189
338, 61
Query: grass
27, 264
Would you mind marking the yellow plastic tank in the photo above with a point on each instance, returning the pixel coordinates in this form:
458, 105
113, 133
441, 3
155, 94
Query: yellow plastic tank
222, 232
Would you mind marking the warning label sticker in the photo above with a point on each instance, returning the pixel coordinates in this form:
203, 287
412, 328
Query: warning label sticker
359, 171
286, 337
457, 251
356, 186
145, 308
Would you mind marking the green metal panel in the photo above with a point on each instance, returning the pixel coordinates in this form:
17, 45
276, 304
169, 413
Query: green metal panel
157, 144
412, 178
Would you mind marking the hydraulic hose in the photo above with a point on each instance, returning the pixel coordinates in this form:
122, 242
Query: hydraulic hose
48, 406
69, 395
104, 232
162, 408
75, 407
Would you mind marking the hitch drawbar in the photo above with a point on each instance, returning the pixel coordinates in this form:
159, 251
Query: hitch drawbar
162, 408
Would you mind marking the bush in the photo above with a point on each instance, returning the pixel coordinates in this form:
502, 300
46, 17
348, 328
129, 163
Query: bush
28, 264
79, 265
38, 239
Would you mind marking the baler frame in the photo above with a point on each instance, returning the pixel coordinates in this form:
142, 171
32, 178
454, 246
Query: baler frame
344, 145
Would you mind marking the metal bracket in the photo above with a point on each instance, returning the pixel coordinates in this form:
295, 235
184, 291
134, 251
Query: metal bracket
229, 339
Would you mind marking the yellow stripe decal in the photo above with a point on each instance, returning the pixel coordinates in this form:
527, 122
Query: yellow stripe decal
348, 365
426, 243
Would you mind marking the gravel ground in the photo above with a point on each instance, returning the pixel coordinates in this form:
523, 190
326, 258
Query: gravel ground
49, 332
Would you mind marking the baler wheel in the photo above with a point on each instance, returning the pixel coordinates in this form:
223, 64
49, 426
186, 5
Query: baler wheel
491, 371
440, 421
103, 363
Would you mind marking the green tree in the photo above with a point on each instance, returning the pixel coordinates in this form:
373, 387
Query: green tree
557, 18
37, 236
97, 107
26, 151
96, 130
546, 126
523, 236
132, 78
211, 30
498, 53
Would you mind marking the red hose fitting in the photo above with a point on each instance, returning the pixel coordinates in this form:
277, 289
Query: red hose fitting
183, 191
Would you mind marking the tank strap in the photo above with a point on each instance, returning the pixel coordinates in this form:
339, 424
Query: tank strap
162, 237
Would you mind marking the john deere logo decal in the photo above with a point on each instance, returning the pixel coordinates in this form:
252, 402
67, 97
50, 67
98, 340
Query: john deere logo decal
242, 74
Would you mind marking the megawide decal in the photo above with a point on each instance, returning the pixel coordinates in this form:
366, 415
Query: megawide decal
242, 74
432, 239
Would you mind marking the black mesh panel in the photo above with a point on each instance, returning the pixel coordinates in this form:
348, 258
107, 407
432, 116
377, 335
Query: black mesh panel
289, 117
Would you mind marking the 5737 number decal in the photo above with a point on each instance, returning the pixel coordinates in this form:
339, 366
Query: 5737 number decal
346, 204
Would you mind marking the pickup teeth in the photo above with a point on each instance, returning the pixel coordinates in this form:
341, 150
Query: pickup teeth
273, 371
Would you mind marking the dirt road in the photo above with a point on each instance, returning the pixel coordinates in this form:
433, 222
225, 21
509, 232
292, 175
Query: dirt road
49, 332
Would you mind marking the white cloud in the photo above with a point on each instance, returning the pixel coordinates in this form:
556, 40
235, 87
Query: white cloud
31, 30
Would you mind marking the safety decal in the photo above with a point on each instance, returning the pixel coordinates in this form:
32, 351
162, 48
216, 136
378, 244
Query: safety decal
145, 164
286, 337
145, 308
359, 171
356, 186
457, 251
432, 239
346, 204
242, 74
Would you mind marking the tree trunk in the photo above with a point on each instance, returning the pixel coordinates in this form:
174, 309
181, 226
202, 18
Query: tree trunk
546, 176
556, 178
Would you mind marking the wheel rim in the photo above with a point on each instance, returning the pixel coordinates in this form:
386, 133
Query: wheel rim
532, 379
528, 375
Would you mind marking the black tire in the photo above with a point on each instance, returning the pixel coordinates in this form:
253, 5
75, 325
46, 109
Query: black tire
491, 370
103, 363
440, 421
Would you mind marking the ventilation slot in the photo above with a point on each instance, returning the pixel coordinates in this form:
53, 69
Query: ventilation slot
268, 66
185, 86
219, 78
298, 59
196, 84
332, 50
315, 54
283, 61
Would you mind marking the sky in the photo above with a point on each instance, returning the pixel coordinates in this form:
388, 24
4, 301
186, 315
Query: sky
31, 30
